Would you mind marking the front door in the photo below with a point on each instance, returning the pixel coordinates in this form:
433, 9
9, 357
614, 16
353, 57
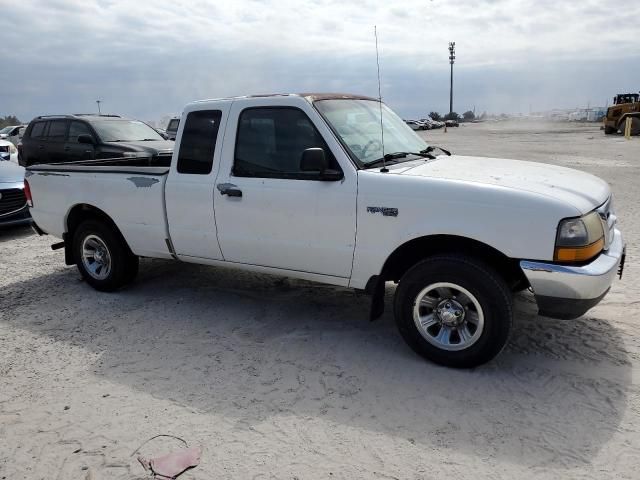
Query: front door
75, 151
282, 220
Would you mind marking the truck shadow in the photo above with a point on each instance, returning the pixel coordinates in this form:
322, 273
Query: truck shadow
253, 347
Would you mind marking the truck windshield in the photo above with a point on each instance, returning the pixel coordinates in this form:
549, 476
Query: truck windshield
357, 122
125, 131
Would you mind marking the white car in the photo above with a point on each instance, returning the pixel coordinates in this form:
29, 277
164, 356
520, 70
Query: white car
13, 202
13, 133
414, 125
298, 185
8, 151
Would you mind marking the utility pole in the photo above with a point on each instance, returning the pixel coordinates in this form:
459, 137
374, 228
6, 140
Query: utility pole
452, 59
98, 102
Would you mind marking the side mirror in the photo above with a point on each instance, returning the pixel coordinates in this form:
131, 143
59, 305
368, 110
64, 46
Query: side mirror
86, 139
313, 160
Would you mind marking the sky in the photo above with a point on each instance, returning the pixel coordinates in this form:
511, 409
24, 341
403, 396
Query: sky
146, 59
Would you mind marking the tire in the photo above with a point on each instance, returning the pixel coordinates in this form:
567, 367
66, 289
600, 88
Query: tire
458, 295
610, 130
635, 126
116, 265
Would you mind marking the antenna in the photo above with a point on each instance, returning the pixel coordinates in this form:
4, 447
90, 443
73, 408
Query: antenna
384, 166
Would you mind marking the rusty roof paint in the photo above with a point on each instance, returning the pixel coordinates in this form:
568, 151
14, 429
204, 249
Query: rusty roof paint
312, 97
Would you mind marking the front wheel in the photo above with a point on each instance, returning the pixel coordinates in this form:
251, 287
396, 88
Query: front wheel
102, 256
454, 310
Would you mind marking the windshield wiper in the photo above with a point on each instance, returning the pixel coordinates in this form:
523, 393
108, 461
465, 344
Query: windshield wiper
390, 157
431, 148
148, 140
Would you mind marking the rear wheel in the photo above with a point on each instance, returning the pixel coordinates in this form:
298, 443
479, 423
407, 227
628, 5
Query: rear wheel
610, 130
102, 256
454, 311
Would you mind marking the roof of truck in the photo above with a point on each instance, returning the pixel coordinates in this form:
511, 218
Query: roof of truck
309, 96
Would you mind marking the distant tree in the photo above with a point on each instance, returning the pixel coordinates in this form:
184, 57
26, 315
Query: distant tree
468, 116
452, 116
435, 116
9, 120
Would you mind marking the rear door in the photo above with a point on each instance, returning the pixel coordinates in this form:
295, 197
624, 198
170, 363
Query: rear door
74, 151
56, 140
189, 192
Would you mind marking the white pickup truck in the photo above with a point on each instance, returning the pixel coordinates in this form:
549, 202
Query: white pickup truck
307, 186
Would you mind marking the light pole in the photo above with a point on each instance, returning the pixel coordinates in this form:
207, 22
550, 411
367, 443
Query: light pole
452, 59
98, 102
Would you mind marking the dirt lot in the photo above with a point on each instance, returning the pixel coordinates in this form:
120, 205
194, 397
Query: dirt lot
282, 379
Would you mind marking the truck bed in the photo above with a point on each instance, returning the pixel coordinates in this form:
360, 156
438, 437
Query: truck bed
129, 193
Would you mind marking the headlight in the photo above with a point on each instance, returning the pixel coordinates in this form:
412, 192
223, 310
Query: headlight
579, 239
12, 149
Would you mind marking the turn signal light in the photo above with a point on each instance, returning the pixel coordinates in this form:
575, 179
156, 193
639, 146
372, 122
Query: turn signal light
578, 254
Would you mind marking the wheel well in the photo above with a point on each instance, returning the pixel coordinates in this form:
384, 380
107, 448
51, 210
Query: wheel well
78, 214
410, 253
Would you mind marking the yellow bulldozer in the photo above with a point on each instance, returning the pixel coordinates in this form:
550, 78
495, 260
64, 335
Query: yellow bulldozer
625, 105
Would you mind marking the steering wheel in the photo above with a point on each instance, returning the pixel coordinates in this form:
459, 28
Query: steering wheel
371, 143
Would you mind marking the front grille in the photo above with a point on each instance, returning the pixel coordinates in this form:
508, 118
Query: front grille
12, 200
4, 148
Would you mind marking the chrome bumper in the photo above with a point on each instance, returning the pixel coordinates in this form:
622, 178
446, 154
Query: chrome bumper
564, 291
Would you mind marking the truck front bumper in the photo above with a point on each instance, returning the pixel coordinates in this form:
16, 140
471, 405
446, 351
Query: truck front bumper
564, 291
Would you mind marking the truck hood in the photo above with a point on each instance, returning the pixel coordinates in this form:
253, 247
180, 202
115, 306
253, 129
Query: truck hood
579, 189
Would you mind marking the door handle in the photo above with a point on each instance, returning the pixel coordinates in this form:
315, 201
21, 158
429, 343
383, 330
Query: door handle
66, 149
229, 189
40, 147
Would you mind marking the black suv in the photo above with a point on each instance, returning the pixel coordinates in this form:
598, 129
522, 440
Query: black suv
70, 138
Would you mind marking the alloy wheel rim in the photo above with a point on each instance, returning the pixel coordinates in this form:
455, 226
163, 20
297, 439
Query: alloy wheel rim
96, 257
448, 316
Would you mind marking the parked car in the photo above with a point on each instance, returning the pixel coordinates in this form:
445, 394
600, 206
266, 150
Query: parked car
8, 152
72, 138
414, 125
433, 124
13, 133
13, 202
291, 185
172, 128
162, 132
452, 123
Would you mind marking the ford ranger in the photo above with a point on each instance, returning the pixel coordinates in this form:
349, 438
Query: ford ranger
338, 189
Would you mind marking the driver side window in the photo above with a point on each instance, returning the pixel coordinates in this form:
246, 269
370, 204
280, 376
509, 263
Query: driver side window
270, 142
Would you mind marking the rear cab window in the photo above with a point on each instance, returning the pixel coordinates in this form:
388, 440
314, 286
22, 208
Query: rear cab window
198, 143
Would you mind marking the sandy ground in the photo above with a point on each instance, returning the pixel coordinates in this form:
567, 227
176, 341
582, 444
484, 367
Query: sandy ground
284, 380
